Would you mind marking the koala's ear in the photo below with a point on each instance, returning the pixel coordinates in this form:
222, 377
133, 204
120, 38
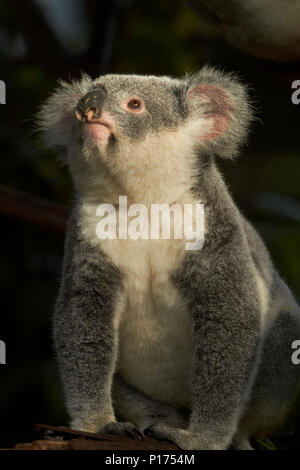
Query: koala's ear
55, 118
218, 104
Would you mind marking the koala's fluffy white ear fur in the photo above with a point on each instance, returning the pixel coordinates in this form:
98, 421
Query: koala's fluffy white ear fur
56, 115
219, 102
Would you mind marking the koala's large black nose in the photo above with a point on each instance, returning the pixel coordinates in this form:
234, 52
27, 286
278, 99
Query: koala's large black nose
90, 106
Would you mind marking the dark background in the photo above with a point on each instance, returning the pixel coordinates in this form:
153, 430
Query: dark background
119, 36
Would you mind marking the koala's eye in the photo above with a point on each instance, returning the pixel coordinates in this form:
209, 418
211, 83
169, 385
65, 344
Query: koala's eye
134, 104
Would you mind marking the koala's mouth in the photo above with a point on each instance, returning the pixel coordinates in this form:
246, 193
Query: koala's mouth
99, 131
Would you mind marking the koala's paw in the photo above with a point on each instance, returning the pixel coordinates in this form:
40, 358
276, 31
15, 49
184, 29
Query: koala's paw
184, 439
127, 428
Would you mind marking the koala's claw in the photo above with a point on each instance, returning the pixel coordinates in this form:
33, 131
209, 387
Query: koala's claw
127, 428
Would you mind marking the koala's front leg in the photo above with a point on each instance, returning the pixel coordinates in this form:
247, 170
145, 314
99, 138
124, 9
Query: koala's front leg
85, 333
225, 313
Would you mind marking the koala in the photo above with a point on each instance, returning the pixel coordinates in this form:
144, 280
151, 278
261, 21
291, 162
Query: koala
191, 346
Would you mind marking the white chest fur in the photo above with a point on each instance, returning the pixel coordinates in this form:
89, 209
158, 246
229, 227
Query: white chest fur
155, 335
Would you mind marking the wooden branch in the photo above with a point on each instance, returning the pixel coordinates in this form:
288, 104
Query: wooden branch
32, 210
62, 438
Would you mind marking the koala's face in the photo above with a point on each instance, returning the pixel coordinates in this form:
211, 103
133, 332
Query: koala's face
131, 122
132, 106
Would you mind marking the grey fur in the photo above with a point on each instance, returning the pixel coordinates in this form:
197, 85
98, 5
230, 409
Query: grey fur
243, 382
83, 329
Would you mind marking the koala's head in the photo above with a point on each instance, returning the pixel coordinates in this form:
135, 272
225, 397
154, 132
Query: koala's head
130, 124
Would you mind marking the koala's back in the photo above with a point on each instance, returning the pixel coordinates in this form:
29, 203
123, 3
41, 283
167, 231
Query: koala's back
277, 297
275, 391
276, 388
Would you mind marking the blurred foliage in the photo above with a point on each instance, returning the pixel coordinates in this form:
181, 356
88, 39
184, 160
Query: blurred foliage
150, 37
